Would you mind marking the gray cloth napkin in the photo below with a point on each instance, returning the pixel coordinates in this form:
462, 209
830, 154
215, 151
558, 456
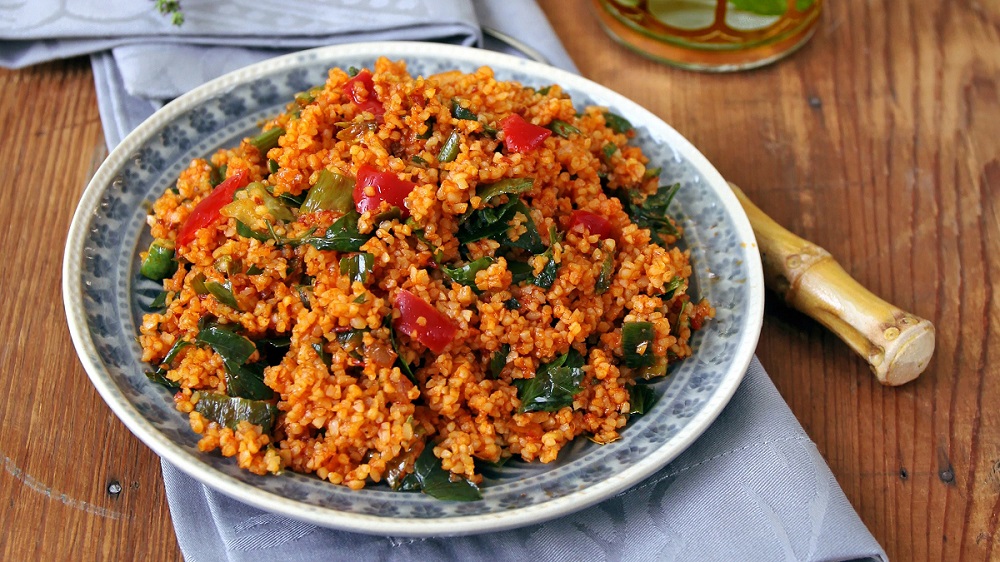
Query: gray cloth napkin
753, 487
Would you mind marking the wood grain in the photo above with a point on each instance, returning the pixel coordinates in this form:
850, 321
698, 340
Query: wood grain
877, 141
61, 448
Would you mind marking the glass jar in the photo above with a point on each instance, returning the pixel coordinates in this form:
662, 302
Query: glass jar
711, 35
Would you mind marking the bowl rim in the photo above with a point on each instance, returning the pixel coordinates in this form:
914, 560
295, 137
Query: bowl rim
372, 524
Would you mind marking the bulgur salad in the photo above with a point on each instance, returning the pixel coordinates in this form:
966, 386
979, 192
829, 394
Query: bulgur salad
402, 278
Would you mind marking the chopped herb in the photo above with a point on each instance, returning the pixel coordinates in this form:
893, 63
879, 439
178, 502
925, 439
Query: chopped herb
398, 470
512, 304
159, 302
267, 140
322, 353
352, 339
466, 274
419, 160
216, 175
254, 270
159, 263
332, 192
437, 482
295, 201
651, 213
450, 148
617, 123
223, 292
158, 378
360, 298
272, 166
227, 265
159, 375
307, 97
563, 129
651, 173
353, 71
430, 129
498, 361
519, 271
637, 344
672, 286
463, 113
242, 379
641, 399
198, 284
606, 275
171, 8
342, 236
547, 277
529, 240
491, 222
358, 268
229, 411
403, 365
393, 213
609, 150
272, 350
305, 295
682, 321
544, 91
554, 385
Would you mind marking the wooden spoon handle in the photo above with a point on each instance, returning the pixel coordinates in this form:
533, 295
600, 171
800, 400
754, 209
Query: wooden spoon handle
896, 344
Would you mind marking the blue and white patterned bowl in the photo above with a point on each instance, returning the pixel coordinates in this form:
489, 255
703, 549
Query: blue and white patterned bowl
102, 290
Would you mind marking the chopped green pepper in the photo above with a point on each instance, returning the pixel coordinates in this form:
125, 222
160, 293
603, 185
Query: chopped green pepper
617, 123
450, 148
332, 192
245, 207
267, 140
159, 263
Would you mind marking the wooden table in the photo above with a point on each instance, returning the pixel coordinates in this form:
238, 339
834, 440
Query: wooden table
879, 141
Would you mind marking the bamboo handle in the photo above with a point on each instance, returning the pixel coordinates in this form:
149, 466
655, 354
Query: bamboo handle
896, 344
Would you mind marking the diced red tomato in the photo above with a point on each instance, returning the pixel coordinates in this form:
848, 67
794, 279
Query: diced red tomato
366, 101
386, 186
522, 136
436, 331
206, 212
593, 222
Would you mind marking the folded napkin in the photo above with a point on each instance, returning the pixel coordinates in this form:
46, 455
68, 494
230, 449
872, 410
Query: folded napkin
753, 487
